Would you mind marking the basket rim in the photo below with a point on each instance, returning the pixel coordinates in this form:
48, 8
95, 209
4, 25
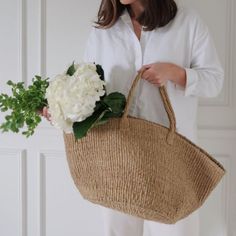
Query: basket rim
117, 119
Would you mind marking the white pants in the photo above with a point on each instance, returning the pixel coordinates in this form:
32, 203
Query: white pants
116, 223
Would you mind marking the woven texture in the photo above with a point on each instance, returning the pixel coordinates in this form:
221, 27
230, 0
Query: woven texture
142, 168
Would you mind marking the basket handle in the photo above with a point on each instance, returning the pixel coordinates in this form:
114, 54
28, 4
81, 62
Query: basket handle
124, 122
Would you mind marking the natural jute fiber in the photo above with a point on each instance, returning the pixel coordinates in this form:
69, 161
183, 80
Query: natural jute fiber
142, 168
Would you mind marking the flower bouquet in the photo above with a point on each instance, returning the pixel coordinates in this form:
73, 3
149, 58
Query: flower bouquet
76, 99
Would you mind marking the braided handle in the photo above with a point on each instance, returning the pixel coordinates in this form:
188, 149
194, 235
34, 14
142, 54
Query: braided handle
167, 104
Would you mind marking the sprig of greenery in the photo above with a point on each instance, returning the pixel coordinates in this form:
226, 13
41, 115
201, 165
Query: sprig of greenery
24, 104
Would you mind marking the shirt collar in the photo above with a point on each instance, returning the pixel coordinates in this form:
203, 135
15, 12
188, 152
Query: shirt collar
125, 17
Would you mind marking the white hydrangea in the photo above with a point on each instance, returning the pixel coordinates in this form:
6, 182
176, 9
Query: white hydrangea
73, 98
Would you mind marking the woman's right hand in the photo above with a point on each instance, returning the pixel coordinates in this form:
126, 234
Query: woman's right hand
44, 112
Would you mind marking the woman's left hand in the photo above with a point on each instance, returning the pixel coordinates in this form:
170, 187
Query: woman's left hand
159, 73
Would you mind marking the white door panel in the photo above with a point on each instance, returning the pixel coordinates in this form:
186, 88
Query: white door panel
38, 196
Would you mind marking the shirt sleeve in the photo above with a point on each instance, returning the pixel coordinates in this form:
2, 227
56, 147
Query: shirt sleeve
205, 76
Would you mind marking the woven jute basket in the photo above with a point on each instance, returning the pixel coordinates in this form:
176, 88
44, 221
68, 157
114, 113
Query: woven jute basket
142, 168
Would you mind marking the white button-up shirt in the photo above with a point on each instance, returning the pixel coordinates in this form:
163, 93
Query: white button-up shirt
185, 41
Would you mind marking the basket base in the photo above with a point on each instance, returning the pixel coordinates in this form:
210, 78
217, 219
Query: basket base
129, 208
133, 210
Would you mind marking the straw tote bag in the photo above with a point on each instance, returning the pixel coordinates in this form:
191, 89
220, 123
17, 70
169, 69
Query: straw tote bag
142, 168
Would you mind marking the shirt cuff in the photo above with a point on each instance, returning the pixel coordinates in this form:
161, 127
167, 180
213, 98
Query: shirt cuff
191, 82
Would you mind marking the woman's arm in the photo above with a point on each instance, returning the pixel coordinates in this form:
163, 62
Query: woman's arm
205, 76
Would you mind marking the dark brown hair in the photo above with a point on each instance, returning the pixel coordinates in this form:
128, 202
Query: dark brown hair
157, 13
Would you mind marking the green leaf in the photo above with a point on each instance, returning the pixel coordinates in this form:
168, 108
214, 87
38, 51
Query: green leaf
29, 121
71, 69
38, 119
116, 101
9, 82
81, 128
101, 121
4, 109
110, 114
100, 71
38, 77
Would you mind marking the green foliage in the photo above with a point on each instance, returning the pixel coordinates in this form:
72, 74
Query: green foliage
100, 71
110, 106
81, 128
23, 105
116, 101
71, 69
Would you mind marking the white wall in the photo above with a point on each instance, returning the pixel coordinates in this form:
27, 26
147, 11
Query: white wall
37, 194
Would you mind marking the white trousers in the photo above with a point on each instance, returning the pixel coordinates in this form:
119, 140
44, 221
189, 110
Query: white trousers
116, 223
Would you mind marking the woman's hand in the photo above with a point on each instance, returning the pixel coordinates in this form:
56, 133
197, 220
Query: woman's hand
159, 73
44, 112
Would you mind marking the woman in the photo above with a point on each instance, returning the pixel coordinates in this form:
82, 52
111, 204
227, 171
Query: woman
172, 46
